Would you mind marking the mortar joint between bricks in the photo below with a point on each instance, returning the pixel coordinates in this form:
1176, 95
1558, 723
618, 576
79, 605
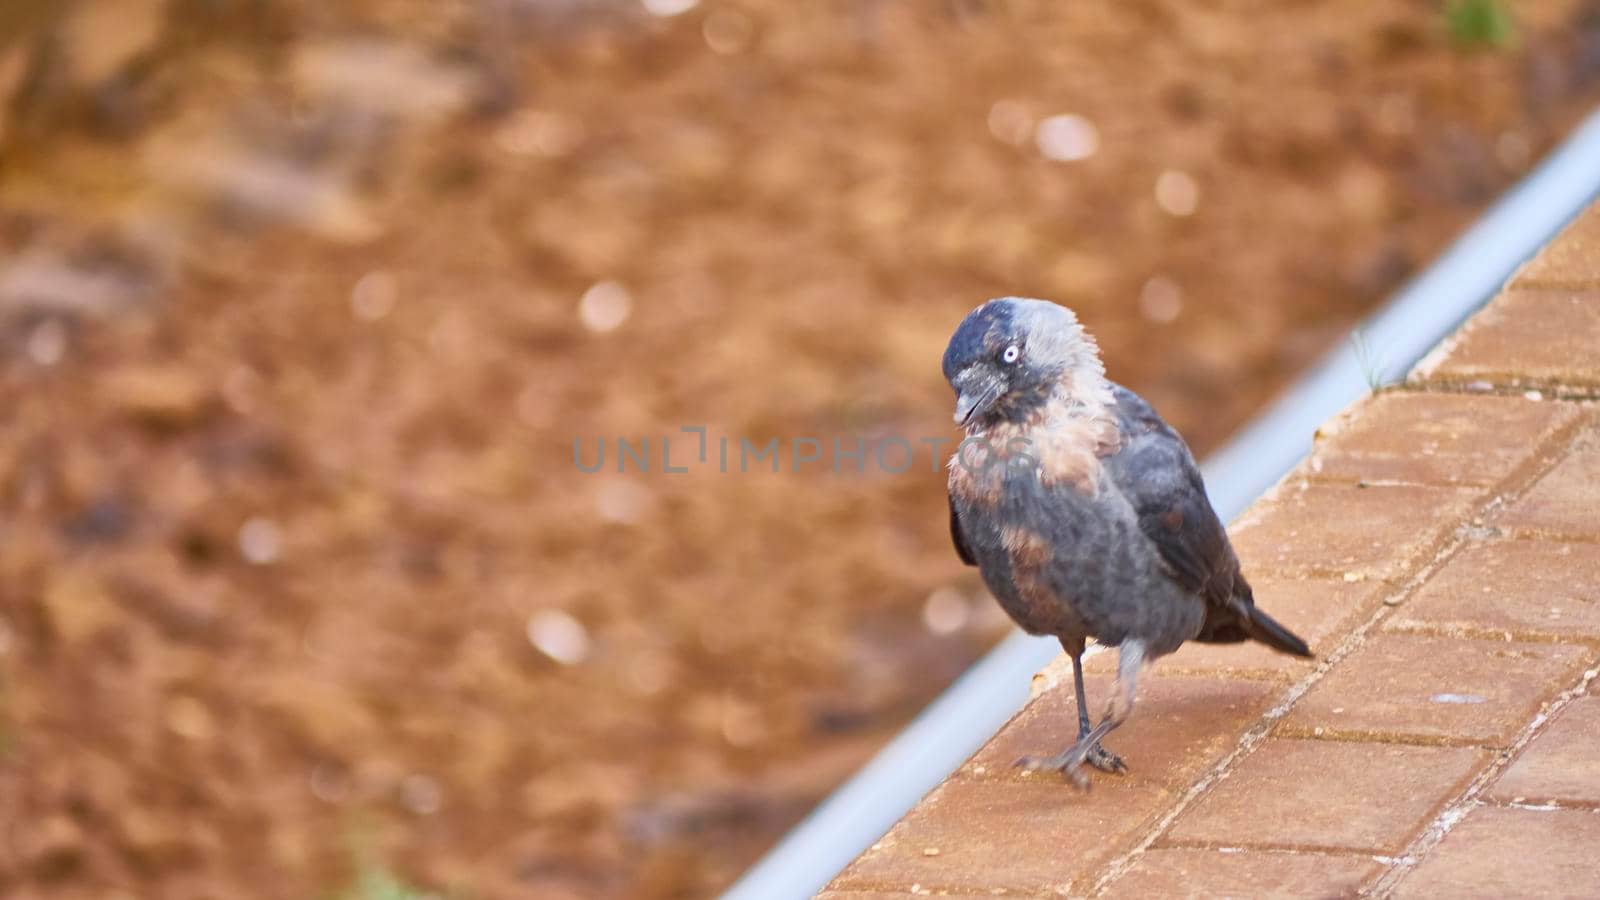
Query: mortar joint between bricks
1550, 391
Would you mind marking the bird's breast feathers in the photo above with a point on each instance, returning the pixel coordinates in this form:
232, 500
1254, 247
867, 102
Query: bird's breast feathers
1060, 447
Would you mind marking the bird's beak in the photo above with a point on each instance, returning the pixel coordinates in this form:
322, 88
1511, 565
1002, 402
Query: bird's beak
976, 391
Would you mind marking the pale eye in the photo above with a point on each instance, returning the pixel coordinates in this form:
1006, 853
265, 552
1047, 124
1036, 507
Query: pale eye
1010, 354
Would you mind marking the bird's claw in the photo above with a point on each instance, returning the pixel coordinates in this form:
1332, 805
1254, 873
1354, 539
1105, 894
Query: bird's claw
1105, 760
1036, 763
1070, 763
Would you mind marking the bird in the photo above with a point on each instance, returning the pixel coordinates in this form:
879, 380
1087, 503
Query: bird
1084, 511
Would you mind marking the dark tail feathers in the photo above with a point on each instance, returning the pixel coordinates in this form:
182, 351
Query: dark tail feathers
1262, 627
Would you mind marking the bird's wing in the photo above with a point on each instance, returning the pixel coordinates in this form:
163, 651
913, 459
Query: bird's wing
1158, 475
1155, 471
959, 539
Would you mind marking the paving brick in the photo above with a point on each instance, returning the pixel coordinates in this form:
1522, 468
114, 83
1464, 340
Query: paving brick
1524, 338
1560, 764
1310, 528
1431, 438
1495, 852
1410, 687
1565, 502
1300, 794
1186, 872
979, 836
1323, 611
1180, 727
1520, 589
1572, 259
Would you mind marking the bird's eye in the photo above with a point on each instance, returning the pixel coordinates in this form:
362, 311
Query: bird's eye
1010, 354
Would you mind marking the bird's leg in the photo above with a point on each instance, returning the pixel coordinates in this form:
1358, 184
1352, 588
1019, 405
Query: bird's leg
1129, 660
1070, 761
1096, 755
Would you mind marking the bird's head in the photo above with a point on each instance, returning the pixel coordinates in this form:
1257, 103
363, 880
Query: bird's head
1009, 356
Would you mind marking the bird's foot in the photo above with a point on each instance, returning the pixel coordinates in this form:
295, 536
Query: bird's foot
1070, 761
1105, 760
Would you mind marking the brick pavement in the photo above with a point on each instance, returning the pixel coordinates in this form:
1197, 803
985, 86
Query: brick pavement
1440, 550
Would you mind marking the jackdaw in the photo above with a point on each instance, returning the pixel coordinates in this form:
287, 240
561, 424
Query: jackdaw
1084, 511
